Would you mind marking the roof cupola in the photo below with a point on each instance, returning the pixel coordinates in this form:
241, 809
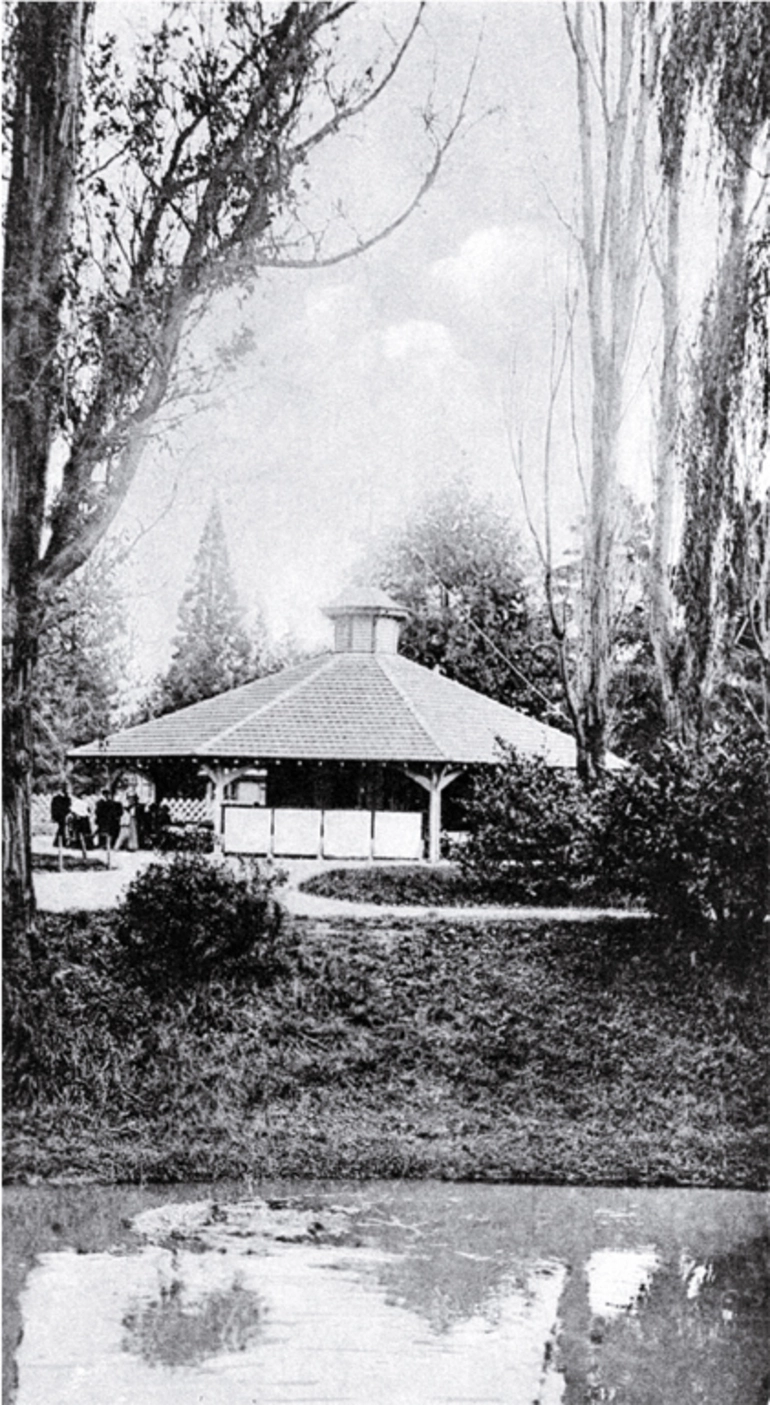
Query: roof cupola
366, 621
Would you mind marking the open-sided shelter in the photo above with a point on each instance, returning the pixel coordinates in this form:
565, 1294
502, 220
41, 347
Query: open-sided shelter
344, 755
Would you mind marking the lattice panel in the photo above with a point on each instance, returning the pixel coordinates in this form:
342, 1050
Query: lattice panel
189, 811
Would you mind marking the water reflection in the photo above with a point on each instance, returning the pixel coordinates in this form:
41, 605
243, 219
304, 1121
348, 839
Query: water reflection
531, 1296
696, 1332
172, 1330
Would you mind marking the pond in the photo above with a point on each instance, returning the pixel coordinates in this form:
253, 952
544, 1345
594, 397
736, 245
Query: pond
385, 1293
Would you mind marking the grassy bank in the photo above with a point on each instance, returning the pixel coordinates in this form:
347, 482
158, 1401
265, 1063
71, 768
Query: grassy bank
512, 1051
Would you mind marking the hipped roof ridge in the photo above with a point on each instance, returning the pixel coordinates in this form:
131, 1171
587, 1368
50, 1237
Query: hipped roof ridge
415, 711
324, 661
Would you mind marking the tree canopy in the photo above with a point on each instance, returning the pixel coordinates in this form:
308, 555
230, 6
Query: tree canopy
81, 664
460, 568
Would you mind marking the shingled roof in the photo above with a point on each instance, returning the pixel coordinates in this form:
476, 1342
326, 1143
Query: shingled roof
364, 702
342, 707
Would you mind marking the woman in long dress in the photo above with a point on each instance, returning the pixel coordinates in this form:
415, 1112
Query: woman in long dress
133, 825
123, 833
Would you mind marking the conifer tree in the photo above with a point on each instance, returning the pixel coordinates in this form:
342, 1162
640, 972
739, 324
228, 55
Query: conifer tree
212, 649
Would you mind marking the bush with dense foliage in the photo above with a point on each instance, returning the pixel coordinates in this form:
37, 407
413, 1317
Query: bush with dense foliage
687, 834
190, 918
525, 824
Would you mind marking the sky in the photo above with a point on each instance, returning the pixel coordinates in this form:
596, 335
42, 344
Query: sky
370, 382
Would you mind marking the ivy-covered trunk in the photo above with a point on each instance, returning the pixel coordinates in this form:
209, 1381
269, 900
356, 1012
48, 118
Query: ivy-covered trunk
661, 606
46, 101
18, 895
710, 456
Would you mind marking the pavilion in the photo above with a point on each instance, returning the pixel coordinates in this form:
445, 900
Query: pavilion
344, 755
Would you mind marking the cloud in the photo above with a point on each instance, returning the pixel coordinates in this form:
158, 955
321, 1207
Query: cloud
484, 261
418, 339
498, 262
333, 311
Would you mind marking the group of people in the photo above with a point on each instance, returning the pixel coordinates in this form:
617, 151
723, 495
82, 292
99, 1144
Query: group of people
116, 823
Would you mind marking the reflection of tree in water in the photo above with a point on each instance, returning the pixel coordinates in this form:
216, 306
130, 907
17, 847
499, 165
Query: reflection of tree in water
169, 1332
445, 1286
453, 1264
697, 1336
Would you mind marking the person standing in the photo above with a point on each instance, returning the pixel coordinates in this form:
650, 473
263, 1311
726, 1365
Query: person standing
103, 816
132, 805
121, 841
81, 824
60, 808
115, 817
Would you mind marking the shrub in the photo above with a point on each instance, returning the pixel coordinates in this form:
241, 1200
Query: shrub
688, 835
524, 824
186, 838
189, 918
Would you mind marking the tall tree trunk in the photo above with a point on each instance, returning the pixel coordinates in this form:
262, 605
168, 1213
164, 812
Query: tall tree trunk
710, 468
597, 566
610, 245
45, 122
661, 601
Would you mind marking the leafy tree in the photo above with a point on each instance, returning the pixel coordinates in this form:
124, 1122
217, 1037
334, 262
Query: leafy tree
460, 569
212, 650
714, 420
524, 823
80, 665
747, 651
686, 833
140, 187
635, 718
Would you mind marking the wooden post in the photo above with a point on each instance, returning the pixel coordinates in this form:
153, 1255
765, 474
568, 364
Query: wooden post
219, 777
434, 817
436, 781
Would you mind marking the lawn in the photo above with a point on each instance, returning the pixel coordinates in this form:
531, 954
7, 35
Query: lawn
70, 862
390, 885
425, 885
540, 1051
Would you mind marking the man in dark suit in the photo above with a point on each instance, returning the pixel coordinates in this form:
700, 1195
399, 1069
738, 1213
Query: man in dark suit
60, 808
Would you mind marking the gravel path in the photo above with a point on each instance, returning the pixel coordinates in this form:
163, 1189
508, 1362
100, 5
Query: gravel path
99, 888
311, 905
93, 889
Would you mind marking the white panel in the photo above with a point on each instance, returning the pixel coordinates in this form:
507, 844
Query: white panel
362, 634
347, 834
249, 790
246, 829
386, 637
297, 833
398, 834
